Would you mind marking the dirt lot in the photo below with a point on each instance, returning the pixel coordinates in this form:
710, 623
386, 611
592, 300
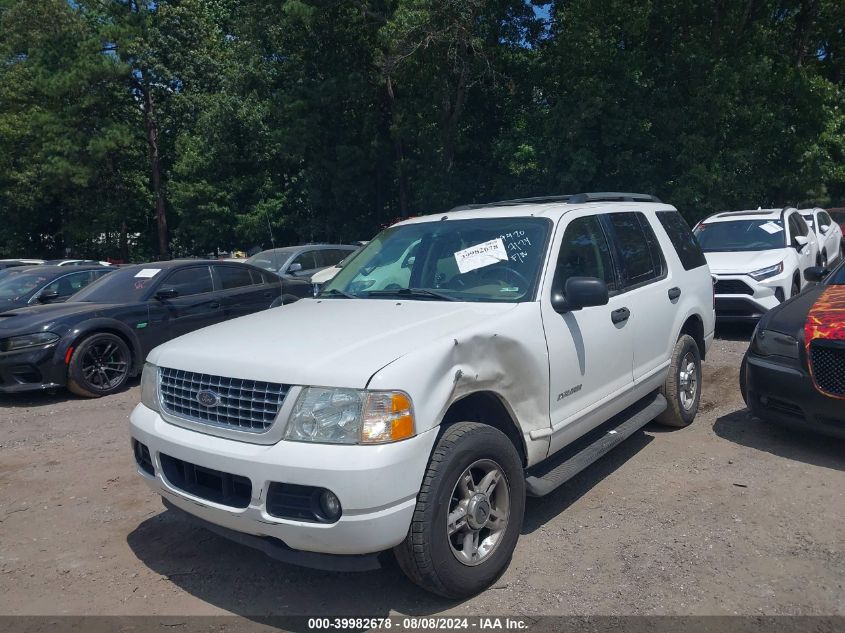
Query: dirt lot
727, 516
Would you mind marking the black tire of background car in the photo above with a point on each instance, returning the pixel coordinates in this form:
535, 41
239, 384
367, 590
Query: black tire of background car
796, 288
81, 386
425, 555
676, 415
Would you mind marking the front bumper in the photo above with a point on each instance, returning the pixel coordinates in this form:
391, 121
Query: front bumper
32, 369
785, 393
757, 298
377, 485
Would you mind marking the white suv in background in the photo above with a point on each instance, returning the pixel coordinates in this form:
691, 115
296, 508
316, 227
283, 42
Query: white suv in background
828, 233
457, 363
757, 258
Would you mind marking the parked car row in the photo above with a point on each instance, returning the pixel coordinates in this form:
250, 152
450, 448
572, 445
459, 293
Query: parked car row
758, 258
56, 330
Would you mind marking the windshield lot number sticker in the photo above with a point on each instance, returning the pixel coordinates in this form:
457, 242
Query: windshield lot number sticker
481, 255
148, 273
771, 228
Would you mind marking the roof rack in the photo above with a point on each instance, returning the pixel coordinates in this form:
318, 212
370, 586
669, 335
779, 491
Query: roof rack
576, 198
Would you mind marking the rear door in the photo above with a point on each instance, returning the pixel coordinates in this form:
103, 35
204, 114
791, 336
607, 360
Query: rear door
590, 350
645, 291
196, 304
243, 290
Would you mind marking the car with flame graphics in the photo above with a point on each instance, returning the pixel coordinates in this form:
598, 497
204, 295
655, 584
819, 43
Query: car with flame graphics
794, 370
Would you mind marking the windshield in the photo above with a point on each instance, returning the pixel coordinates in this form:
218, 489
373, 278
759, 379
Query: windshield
740, 235
491, 259
16, 284
125, 285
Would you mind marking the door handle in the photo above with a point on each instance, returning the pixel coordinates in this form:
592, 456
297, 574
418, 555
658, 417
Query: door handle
621, 315
674, 293
214, 305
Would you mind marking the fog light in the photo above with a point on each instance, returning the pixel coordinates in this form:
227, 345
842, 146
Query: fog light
330, 505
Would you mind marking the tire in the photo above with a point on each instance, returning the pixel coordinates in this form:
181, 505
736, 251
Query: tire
682, 392
439, 562
743, 379
99, 366
796, 288
824, 260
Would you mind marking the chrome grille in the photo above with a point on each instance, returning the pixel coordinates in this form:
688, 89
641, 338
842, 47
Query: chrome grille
828, 363
243, 405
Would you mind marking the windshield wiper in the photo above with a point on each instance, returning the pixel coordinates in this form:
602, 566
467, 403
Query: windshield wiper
411, 292
334, 292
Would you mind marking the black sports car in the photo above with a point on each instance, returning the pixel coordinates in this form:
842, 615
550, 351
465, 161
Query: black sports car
31, 285
794, 370
101, 336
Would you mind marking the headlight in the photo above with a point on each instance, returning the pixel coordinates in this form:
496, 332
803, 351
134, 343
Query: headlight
27, 340
765, 273
350, 416
770, 343
149, 387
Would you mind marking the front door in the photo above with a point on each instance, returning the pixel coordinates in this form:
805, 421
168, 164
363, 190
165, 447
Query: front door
590, 350
196, 304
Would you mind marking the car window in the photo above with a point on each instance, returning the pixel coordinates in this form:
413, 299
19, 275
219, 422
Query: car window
803, 229
70, 284
740, 235
189, 281
306, 259
824, 218
809, 220
20, 284
585, 252
269, 260
680, 234
233, 276
331, 256
482, 259
640, 255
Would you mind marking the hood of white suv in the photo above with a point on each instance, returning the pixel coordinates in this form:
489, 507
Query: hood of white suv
727, 263
325, 342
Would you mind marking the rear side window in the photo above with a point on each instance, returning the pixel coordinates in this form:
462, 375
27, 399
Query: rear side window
330, 257
639, 252
233, 276
689, 252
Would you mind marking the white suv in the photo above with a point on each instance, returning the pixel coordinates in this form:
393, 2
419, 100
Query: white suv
828, 233
758, 259
456, 363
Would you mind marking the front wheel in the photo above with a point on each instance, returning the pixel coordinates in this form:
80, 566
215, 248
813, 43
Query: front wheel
99, 366
469, 513
682, 388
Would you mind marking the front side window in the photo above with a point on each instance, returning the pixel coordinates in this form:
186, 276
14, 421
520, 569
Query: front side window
584, 252
809, 220
306, 260
271, 260
640, 255
486, 259
740, 235
189, 281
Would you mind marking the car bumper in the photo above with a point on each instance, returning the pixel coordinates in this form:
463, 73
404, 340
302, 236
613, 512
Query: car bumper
757, 299
31, 370
377, 485
785, 394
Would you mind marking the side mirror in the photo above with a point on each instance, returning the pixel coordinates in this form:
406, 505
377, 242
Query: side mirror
48, 296
800, 241
824, 228
816, 273
294, 268
580, 292
167, 293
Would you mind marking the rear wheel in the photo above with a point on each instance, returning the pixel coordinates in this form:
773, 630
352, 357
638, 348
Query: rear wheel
469, 513
824, 259
796, 288
99, 366
682, 388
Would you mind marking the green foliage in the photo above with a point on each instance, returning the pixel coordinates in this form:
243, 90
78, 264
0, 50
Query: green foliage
246, 122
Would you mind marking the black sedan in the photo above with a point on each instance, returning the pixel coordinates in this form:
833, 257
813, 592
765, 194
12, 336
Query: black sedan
31, 285
93, 343
794, 370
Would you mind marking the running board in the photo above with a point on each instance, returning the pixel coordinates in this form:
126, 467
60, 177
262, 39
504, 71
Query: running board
560, 468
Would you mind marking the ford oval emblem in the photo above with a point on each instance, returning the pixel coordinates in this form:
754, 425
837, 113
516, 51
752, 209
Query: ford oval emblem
208, 398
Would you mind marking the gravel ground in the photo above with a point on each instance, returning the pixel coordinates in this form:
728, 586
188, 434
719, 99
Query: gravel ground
727, 516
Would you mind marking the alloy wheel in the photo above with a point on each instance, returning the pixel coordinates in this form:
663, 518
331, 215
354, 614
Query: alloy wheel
104, 365
688, 381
